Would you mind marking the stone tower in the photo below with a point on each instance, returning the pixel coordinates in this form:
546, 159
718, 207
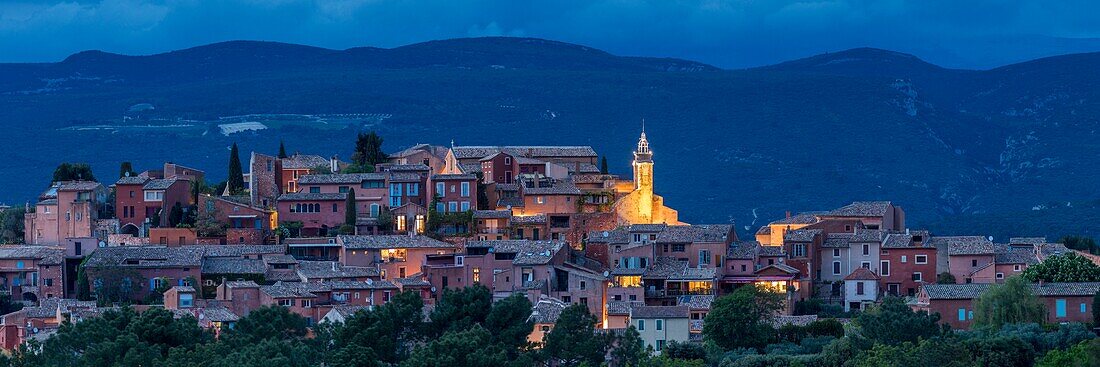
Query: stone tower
643, 178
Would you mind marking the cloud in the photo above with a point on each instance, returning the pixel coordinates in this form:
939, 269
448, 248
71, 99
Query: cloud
731, 33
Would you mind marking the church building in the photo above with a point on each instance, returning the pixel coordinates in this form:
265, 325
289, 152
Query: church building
642, 206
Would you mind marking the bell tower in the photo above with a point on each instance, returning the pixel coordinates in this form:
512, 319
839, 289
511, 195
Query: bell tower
643, 177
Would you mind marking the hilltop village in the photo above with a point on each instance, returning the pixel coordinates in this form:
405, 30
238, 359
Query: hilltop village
326, 238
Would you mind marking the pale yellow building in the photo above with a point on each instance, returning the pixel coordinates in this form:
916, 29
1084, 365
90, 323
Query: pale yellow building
642, 206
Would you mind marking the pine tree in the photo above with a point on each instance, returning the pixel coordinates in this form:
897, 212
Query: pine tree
368, 150
126, 170
236, 175
282, 150
603, 165
351, 212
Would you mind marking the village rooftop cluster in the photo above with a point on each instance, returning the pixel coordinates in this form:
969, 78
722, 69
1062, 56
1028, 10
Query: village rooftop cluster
547, 222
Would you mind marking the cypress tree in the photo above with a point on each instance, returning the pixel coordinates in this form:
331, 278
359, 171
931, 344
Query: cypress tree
126, 170
236, 175
603, 165
351, 212
282, 150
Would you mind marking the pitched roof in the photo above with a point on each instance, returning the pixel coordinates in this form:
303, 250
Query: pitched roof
146, 257
557, 188
743, 250
292, 290
913, 239
801, 235
304, 161
492, 214
528, 252
964, 245
837, 240
1008, 254
622, 307
861, 209
772, 251
131, 180
862, 273
696, 233
529, 219
415, 167
339, 178
453, 176
659, 312
696, 302
507, 202
546, 311
1027, 240
467, 152
159, 184
333, 270
800, 218
973, 290
675, 269
78, 186
390, 241
309, 196
231, 265
46, 255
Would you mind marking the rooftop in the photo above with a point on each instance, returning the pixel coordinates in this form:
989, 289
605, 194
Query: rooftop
659, 312
862, 209
468, 152
390, 241
339, 178
308, 196
964, 245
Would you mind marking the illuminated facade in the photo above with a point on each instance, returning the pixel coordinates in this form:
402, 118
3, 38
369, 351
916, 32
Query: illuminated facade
642, 206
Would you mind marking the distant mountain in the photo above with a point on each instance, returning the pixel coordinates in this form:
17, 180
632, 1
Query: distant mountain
731, 145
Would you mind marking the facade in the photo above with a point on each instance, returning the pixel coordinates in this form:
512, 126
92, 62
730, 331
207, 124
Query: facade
860, 289
318, 212
1065, 302
659, 325
67, 209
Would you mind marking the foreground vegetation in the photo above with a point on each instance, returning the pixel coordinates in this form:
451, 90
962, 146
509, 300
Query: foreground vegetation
467, 329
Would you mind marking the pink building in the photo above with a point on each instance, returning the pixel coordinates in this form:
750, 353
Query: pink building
318, 212
32, 273
1065, 302
65, 210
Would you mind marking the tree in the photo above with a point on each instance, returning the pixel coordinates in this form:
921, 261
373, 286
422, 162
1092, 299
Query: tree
12, 228
126, 169
742, 318
1066, 268
508, 322
1085, 354
460, 309
1081, 243
235, 182
893, 322
121, 338
389, 331
459, 348
574, 341
73, 172
175, 216
83, 288
946, 278
207, 223
1095, 312
684, 350
1008, 303
282, 150
603, 165
268, 322
351, 213
631, 350
368, 150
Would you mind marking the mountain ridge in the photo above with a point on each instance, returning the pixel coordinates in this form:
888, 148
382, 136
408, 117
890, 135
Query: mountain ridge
732, 145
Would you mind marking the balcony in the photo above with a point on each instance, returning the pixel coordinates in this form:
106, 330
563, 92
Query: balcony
492, 230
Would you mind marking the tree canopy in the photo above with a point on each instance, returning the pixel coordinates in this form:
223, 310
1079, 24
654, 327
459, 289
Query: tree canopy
73, 172
235, 181
741, 319
1069, 267
1008, 303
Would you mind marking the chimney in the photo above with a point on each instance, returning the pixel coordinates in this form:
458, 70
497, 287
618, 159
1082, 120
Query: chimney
788, 214
333, 164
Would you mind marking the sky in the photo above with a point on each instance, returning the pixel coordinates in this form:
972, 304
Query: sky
974, 34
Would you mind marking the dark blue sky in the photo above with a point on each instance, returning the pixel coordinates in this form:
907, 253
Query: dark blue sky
726, 33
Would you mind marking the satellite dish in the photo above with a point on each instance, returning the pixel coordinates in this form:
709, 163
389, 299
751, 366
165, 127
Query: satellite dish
433, 289
990, 238
606, 273
605, 233
369, 282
